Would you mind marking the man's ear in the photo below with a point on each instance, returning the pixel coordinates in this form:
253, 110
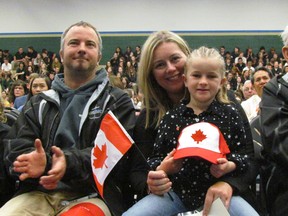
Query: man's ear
61, 55
285, 52
99, 58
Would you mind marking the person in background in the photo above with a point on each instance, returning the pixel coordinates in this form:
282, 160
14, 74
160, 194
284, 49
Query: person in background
242, 57
231, 79
7, 81
8, 55
128, 53
17, 89
31, 54
7, 186
1, 57
137, 53
235, 53
125, 82
259, 78
160, 80
222, 51
29, 71
6, 66
274, 124
276, 69
20, 101
20, 72
56, 64
49, 147
18, 57
248, 90
240, 65
5, 100
38, 84
285, 68
37, 62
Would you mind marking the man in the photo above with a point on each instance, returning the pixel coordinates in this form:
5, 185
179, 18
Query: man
249, 66
8, 55
276, 70
49, 147
6, 66
274, 120
240, 64
248, 90
31, 53
259, 78
222, 51
18, 57
232, 81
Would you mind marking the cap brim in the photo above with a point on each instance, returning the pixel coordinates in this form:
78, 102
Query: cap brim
208, 155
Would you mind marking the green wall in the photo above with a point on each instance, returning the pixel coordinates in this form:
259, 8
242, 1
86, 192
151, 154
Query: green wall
110, 42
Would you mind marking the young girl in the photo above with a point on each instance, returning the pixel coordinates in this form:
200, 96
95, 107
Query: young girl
190, 178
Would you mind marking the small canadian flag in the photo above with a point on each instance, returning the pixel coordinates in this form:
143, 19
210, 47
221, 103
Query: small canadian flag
111, 143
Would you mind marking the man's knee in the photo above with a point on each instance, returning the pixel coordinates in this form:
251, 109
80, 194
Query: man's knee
88, 207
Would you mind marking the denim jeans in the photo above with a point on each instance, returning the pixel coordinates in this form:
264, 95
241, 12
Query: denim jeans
170, 204
240, 207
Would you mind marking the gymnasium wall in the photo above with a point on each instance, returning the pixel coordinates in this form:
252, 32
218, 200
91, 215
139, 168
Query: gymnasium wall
128, 22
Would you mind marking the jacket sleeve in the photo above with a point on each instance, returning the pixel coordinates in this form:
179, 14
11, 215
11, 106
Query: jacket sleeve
274, 121
241, 183
22, 135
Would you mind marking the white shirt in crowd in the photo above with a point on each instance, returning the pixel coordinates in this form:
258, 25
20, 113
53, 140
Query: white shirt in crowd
251, 106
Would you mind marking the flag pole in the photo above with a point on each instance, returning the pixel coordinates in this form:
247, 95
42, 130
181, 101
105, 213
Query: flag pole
143, 157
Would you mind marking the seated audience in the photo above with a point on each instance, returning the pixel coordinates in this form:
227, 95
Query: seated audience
259, 78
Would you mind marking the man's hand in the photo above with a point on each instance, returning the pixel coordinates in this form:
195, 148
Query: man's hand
31, 165
57, 171
158, 182
220, 189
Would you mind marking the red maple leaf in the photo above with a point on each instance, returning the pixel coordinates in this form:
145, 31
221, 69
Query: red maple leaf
198, 136
101, 156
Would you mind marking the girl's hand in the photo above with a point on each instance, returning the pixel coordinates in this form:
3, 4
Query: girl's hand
170, 165
224, 166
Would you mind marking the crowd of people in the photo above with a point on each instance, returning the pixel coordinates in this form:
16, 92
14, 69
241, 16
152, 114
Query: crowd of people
165, 95
122, 69
239, 66
18, 70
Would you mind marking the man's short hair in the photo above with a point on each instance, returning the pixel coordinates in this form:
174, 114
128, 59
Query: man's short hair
284, 36
260, 69
84, 24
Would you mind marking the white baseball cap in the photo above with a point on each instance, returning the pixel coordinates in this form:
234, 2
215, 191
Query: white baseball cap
203, 140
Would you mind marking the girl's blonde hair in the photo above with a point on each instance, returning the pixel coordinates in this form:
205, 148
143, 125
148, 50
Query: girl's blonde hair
211, 53
155, 97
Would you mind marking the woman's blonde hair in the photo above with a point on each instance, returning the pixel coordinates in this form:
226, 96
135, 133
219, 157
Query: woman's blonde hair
155, 97
3, 117
211, 53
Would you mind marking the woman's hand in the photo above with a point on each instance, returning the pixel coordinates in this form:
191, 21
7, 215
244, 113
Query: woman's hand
220, 190
158, 182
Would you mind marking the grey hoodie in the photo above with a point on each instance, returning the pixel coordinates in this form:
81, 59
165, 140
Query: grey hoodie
72, 103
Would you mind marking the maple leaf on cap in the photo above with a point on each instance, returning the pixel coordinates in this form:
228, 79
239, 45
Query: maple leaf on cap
198, 136
100, 155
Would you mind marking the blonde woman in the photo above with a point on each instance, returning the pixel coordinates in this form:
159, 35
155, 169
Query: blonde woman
160, 78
